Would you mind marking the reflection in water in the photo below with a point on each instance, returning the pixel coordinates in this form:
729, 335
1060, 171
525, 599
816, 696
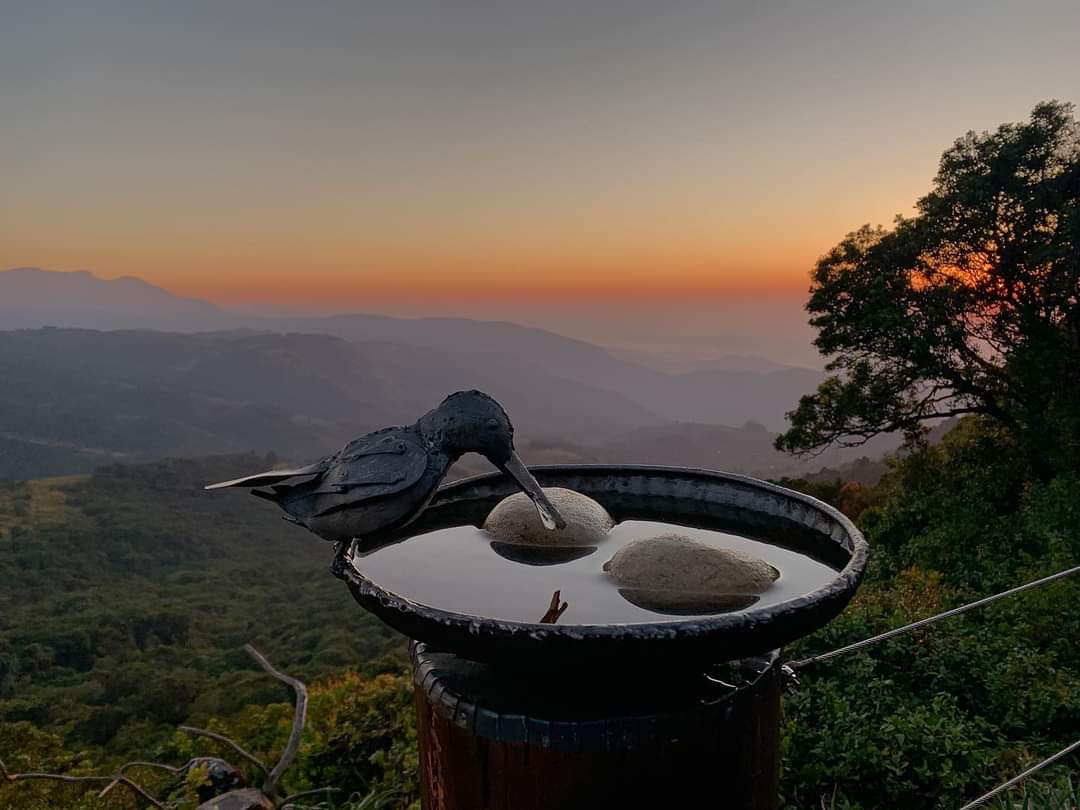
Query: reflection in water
686, 603
460, 570
540, 555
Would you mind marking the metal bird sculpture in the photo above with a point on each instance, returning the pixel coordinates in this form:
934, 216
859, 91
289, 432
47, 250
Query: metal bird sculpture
383, 480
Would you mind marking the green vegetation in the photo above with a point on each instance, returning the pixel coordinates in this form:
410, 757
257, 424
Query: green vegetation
127, 596
1059, 794
937, 717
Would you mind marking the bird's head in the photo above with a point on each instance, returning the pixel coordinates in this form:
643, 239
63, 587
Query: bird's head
471, 422
474, 422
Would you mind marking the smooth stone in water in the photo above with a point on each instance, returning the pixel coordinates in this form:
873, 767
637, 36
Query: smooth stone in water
673, 562
514, 520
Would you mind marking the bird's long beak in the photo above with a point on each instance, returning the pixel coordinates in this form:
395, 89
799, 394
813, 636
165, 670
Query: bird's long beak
516, 469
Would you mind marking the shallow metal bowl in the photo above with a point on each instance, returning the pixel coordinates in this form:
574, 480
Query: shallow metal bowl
699, 498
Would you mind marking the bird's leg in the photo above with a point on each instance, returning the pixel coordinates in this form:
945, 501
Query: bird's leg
341, 552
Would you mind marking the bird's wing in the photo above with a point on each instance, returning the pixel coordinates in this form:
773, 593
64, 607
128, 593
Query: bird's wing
373, 466
273, 476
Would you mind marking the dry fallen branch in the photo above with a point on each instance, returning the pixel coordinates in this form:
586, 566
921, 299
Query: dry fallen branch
213, 735
123, 780
113, 780
289, 799
273, 777
187, 766
183, 769
299, 718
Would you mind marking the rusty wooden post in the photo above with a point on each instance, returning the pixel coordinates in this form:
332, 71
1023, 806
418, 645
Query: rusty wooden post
498, 739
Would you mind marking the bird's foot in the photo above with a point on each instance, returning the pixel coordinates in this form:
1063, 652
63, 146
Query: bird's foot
341, 562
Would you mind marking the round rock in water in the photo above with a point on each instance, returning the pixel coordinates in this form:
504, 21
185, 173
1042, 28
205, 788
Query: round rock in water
673, 562
514, 520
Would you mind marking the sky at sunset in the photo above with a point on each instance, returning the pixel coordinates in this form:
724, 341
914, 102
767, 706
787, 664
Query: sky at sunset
482, 157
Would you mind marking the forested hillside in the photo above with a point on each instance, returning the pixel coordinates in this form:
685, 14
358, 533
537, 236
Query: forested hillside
89, 397
127, 595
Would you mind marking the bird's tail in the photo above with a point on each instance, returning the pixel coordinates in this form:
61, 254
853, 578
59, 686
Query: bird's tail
270, 477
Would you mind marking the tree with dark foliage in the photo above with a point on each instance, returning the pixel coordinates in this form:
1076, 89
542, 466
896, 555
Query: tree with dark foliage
972, 306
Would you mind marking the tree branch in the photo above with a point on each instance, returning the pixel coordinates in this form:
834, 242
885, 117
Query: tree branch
123, 780
849, 437
202, 732
56, 777
284, 804
183, 769
162, 766
59, 777
299, 718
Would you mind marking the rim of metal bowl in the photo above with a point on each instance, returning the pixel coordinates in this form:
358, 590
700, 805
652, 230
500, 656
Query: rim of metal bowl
765, 628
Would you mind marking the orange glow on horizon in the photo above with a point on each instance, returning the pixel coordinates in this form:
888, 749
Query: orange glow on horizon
344, 300
329, 279
344, 289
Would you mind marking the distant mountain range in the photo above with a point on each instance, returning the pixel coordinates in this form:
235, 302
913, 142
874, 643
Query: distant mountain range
147, 374
31, 297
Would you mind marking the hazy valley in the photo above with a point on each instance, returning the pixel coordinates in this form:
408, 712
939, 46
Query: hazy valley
85, 381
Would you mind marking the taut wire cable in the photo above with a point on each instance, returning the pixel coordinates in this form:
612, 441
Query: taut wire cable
794, 666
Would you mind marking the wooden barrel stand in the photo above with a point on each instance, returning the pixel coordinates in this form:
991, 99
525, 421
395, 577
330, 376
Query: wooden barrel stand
496, 738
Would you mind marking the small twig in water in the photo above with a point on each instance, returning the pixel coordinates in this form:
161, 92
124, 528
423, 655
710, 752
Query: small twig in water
555, 609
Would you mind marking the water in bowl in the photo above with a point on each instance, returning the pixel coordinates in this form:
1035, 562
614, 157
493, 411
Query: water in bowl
460, 570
